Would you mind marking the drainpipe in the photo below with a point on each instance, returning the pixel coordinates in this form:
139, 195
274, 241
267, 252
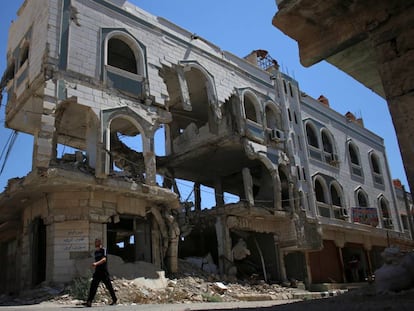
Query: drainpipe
409, 216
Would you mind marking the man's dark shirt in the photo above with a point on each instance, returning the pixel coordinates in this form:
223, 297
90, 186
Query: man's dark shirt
99, 254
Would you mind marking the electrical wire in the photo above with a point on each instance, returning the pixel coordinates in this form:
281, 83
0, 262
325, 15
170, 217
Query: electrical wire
8, 148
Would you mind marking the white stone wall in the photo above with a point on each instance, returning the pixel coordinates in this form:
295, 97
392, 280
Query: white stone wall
34, 15
366, 141
165, 44
68, 236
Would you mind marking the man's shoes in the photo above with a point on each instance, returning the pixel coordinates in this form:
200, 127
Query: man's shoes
113, 302
88, 304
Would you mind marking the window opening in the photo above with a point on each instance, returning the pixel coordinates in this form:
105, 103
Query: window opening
126, 150
375, 164
335, 196
362, 199
326, 142
130, 239
311, 135
321, 199
250, 109
273, 118
24, 55
385, 212
121, 56
353, 154
319, 192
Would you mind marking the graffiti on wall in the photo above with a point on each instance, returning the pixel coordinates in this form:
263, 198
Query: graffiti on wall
75, 240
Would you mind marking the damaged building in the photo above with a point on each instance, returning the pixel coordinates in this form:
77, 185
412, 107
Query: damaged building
144, 104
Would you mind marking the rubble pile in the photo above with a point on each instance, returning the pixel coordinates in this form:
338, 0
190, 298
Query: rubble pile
190, 289
190, 285
397, 272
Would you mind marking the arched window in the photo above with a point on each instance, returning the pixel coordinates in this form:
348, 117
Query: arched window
327, 142
311, 135
376, 169
336, 195
321, 195
385, 213
375, 164
362, 199
319, 192
124, 62
273, 117
353, 154
330, 156
250, 111
120, 55
337, 201
354, 157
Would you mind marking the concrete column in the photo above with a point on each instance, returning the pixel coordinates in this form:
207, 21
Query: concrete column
283, 273
149, 161
248, 185
341, 261
45, 139
173, 236
218, 192
278, 255
277, 190
185, 94
223, 244
92, 140
308, 270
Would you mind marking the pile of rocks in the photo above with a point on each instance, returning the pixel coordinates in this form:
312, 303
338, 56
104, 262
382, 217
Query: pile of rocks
194, 289
190, 285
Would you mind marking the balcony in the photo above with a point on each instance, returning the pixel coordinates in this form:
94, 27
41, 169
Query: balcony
329, 158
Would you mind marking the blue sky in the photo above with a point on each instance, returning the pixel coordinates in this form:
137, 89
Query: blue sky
238, 27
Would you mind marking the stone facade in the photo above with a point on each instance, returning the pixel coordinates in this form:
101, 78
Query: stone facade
113, 84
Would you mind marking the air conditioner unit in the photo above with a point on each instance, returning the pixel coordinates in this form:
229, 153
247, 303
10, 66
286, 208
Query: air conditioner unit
277, 135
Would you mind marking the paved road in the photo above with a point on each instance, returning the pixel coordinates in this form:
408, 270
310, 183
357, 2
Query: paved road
252, 305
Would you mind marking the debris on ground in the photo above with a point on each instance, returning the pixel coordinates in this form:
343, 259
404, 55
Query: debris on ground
397, 272
192, 284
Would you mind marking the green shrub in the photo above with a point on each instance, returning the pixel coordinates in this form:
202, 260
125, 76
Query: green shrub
212, 298
79, 289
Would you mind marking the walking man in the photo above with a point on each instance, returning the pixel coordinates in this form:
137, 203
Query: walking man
101, 274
